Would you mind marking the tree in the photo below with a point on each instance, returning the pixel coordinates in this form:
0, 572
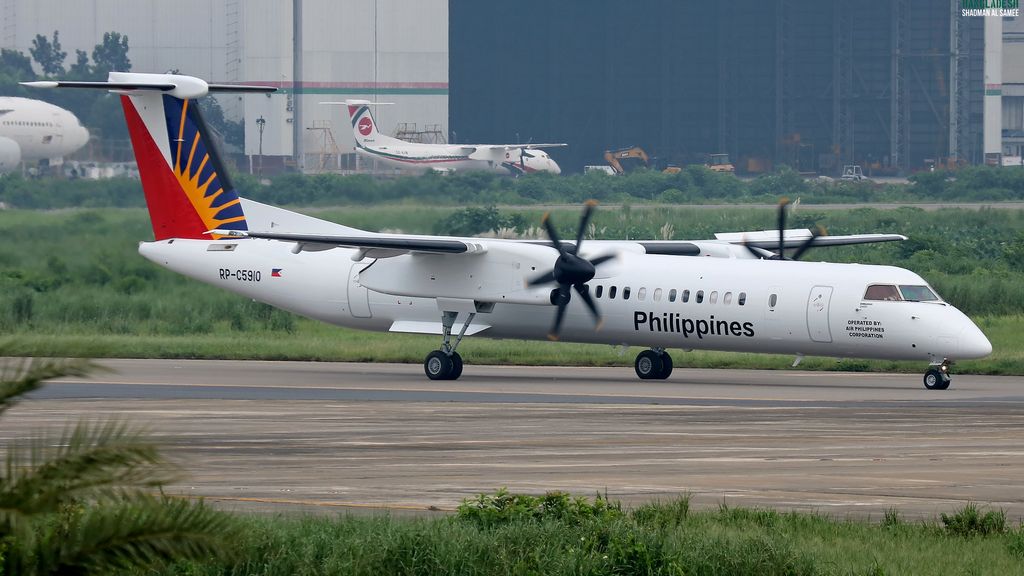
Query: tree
48, 54
111, 55
83, 503
80, 70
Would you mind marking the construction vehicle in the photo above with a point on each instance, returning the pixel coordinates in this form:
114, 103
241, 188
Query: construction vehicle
636, 155
719, 163
852, 172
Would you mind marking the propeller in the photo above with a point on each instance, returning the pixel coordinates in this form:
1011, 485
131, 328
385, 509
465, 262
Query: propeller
780, 254
523, 155
570, 272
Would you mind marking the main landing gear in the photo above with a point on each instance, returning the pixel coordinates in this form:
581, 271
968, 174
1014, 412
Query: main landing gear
937, 377
446, 364
653, 364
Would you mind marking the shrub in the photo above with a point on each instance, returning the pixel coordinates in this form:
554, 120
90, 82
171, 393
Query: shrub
969, 521
503, 507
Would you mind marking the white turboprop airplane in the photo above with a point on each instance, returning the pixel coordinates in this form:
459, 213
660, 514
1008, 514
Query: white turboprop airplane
741, 297
32, 130
417, 157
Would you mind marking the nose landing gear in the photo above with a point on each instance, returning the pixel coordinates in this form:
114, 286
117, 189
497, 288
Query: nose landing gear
937, 377
653, 364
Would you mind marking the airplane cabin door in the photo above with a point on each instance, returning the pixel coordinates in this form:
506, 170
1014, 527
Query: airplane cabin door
358, 296
817, 314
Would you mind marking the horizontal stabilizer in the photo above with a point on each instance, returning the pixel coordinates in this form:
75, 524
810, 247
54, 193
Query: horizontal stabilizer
176, 85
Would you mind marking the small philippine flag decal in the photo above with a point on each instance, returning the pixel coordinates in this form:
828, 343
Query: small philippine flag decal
275, 272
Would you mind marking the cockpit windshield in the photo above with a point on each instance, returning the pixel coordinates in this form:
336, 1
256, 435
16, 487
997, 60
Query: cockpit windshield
881, 292
904, 293
918, 294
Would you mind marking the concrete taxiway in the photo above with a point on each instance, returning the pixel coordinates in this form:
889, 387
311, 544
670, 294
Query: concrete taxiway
326, 436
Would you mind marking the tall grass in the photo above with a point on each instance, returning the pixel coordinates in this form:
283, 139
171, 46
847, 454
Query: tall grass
654, 539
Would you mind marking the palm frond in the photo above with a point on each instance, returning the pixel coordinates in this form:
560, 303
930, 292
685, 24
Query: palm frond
88, 461
19, 376
142, 531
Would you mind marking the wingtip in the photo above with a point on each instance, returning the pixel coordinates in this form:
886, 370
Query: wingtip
600, 324
40, 84
553, 337
545, 217
591, 202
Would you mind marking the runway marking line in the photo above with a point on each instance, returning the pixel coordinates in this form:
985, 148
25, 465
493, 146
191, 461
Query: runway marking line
316, 503
450, 391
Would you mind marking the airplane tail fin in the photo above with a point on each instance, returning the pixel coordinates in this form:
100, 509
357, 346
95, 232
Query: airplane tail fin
364, 126
188, 191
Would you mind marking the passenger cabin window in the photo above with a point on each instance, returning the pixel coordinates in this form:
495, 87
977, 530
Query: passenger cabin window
657, 295
713, 297
686, 296
672, 295
773, 300
918, 294
600, 290
625, 292
700, 296
742, 299
881, 292
611, 292
727, 299
641, 294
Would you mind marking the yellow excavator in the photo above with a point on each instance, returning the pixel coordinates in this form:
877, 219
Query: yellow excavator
614, 159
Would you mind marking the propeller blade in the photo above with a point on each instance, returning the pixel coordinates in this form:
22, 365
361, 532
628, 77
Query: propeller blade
563, 302
782, 227
819, 231
588, 211
552, 234
545, 278
759, 253
602, 259
584, 291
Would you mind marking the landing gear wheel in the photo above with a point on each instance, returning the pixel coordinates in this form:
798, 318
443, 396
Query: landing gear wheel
666, 366
456, 366
650, 365
439, 366
936, 379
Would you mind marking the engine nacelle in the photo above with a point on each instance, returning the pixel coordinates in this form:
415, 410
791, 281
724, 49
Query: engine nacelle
10, 155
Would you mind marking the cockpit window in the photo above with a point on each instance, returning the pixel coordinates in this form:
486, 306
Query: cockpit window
881, 292
918, 294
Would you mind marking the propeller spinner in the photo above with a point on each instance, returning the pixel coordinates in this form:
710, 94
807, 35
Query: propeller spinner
570, 272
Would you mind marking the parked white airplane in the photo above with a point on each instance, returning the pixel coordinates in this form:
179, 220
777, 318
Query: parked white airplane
742, 297
417, 157
32, 130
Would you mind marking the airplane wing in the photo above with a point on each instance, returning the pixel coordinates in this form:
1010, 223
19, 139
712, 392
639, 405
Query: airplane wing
373, 246
769, 239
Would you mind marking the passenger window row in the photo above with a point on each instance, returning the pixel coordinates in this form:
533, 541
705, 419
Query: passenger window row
683, 296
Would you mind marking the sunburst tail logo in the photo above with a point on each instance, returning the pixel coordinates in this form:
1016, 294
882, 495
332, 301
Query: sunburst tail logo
198, 169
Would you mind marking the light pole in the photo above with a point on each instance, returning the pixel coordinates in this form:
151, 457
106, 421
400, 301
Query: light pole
260, 124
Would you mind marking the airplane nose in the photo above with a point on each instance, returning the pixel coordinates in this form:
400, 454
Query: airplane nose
83, 136
973, 343
555, 168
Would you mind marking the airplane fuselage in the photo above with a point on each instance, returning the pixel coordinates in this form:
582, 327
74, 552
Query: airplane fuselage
39, 130
414, 157
800, 308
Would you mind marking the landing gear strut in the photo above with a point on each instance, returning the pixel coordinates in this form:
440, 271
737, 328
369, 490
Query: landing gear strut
653, 364
446, 364
937, 377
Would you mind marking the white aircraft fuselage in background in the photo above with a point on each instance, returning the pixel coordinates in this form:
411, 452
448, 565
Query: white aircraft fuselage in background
32, 130
716, 294
417, 157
